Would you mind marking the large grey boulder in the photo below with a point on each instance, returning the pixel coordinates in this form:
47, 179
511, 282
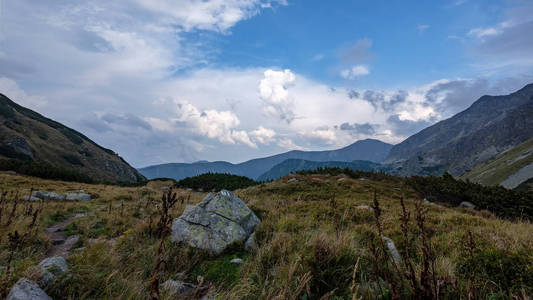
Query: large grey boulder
51, 268
26, 289
215, 223
78, 196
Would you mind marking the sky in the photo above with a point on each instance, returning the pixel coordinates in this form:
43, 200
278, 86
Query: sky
163, 81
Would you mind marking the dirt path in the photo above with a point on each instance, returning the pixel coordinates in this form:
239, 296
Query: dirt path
61, 245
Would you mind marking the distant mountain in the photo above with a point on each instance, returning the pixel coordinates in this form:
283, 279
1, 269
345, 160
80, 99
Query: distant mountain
292, 165
27, 136
491, 125
509, 169
369, 150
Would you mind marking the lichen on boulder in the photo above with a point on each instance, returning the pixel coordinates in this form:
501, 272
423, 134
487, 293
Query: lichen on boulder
215, 223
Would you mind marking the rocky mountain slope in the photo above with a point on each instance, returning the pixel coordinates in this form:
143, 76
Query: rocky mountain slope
369, 150
508, 169
293, 165
491, 125
25, 135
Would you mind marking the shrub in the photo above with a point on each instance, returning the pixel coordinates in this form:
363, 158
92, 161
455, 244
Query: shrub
216, 182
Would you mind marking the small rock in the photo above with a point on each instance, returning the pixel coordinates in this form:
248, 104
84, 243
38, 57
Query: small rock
78, 250
237, 261
426, 201
395, 255
48, 195
78, 197
58, 241
51, 268
292, 180
250, 244
467, 204
31, 198
364, 207
26, 289
341, 179
176, 288
362, 179
165, 188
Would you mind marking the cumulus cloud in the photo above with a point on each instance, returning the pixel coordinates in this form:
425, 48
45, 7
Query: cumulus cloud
207, 15
355, 72
263, 135
220, 125
274, 91
288, 144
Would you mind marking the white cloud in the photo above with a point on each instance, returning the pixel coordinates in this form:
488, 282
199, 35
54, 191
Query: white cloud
355, 72
274, 91
220, 125
11, 89
263, 135
288, 144
218, 15
483, 32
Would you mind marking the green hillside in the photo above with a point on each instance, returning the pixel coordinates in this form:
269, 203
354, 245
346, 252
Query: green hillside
508, 169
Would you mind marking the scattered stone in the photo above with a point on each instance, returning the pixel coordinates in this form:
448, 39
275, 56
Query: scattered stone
78, 250
395, 255
189, 189
78, 196
250, 244
215, 223
176, 288
26, 289
58, 241
48, 195
237, 261
51, 268
362, 179
426, 201
341, 179
165, 188
31, 198
292, 180
364, 207
467, 204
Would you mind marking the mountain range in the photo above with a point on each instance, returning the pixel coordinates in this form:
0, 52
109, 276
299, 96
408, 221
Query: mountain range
490, 126
293, 165
369, 150
489, 142
27, 136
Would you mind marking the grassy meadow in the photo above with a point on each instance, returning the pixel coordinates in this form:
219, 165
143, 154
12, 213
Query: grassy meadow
314, 242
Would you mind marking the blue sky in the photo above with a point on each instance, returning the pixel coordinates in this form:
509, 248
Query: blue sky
186, 80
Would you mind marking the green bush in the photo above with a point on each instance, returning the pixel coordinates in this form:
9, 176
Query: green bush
216, 182
43, 170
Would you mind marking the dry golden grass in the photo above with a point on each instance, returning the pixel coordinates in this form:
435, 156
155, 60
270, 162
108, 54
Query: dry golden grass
308, 245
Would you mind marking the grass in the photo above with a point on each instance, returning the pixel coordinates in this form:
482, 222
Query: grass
308, 243
502, 166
